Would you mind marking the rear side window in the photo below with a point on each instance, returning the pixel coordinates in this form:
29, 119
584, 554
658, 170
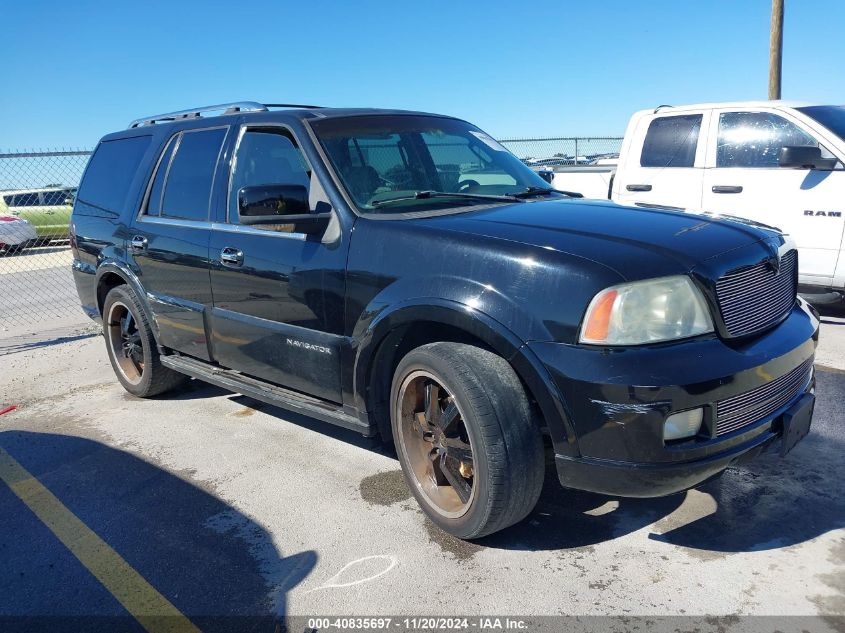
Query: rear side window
110, 172
671, 141
23, 200
154, 201
187, 191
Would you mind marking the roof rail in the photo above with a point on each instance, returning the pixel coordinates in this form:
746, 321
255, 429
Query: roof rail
665, 105
229, 108
291, 105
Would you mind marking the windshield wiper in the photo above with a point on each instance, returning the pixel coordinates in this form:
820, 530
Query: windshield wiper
531, 192
422, 195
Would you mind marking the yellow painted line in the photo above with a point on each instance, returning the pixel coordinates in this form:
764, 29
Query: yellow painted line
152, 610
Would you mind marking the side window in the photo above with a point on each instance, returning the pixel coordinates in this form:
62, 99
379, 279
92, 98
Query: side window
110, 172
187, 191
671, 141
26, 200
754, 139
154, 201
266, 157
58, 198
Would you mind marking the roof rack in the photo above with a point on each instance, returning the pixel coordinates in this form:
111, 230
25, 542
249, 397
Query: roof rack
664, 105
228, 108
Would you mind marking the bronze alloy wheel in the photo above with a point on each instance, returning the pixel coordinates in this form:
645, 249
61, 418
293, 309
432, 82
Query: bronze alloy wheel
124, 342
435, 443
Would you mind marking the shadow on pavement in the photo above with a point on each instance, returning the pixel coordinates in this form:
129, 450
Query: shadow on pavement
214, 564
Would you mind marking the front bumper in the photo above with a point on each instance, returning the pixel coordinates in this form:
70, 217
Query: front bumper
617, 401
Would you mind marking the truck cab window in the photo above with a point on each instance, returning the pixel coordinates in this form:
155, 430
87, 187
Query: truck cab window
266, 157
754, 139
187, 191
671, 141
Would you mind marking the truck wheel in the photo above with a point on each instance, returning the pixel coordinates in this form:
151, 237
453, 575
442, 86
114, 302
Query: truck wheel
131, 346
470, 450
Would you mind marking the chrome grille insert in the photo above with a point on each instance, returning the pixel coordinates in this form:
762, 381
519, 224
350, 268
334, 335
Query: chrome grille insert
755, 297
752, 406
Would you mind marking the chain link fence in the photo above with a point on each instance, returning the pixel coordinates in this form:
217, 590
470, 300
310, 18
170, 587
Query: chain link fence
37, 189
563, 151
36, 197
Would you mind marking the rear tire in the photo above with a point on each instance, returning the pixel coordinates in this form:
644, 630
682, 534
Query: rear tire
132, 348
470, 449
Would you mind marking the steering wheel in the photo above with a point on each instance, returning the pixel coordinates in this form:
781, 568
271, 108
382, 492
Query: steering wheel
466, 185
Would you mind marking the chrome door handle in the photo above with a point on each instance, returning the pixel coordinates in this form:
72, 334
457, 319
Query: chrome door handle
231, 256
138, 243
727, 189
638, 187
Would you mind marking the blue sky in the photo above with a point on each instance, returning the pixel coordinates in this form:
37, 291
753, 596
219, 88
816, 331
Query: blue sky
72, 71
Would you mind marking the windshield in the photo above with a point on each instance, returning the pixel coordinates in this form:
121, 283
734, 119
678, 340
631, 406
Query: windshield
394, 163
832, 117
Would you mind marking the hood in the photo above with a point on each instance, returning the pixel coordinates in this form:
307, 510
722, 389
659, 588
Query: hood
636, 242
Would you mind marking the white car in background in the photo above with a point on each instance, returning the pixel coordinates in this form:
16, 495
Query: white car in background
15, 233
775, 162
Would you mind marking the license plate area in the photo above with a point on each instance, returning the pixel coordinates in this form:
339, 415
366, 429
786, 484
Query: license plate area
796, 422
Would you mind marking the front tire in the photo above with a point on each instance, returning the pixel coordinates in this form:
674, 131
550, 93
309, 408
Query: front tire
132, 348
470, 449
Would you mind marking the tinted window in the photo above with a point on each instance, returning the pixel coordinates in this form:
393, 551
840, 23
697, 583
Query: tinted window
266, 157
58, 198
832, 117
671, 141
23, 200
188, 188
754, 139
154, 201
110, 172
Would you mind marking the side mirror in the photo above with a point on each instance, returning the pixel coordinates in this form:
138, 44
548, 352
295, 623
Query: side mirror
280, 204
804, 157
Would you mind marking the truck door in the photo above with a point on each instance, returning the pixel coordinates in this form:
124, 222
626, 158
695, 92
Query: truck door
667, 169
278, 295
743, 178
168, 242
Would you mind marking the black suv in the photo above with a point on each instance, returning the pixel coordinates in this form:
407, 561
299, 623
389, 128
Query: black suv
403, 274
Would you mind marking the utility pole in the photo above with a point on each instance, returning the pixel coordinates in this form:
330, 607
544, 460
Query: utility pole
776, 49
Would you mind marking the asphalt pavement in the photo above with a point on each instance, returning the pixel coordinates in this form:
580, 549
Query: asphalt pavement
237, 515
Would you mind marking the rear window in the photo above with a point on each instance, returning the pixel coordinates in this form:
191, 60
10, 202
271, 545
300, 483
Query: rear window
110, 172
671, 141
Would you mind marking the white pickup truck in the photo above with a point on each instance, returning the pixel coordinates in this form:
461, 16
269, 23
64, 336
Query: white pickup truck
775, 162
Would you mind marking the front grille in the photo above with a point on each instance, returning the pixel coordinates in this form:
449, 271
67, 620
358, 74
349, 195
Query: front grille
754, 297
752, 406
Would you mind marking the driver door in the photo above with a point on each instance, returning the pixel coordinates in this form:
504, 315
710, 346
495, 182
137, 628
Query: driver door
278, 295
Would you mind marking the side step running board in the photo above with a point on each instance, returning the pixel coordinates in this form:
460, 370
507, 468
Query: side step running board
267, 392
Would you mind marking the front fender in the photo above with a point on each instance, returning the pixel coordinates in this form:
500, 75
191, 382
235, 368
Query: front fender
374, 329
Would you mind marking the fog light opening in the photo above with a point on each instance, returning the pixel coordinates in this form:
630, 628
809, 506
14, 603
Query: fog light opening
683, 424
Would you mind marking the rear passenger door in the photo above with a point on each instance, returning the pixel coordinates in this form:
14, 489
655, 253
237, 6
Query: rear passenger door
169, 240
669, 169
278, 295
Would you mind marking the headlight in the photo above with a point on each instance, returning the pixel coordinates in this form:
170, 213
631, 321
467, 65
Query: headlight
646, 312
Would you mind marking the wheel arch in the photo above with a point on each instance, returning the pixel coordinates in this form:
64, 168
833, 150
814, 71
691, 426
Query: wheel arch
394, 333
111, 274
